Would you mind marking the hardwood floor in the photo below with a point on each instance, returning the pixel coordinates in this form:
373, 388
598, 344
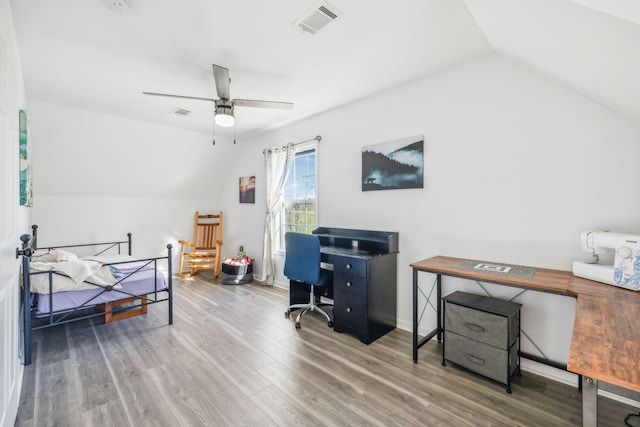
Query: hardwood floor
231, 358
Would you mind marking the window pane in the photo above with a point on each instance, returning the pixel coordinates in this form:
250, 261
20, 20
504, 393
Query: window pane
299, 205
300, 216
301, 182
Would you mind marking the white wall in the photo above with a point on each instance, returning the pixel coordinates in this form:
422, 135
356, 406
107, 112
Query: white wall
83, 153
98, 177
13, 219
154, 223
516, 166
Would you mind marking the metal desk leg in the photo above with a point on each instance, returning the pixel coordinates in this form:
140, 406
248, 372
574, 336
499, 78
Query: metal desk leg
439, 306
415, 315
589, 402
417, 343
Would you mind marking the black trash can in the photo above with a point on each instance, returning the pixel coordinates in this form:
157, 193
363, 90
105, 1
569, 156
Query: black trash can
237, 274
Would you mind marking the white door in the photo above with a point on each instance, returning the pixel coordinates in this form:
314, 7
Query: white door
9, 271
11, 100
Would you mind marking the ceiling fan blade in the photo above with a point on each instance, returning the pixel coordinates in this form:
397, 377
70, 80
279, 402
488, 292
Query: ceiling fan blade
179, 96
262, 104
221, 76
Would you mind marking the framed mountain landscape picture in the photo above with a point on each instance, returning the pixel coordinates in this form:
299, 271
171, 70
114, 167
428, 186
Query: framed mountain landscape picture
393, 165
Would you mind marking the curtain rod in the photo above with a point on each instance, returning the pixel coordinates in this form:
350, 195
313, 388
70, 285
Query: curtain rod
317, 138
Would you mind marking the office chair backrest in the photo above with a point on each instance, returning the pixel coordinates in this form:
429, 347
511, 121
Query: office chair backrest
302, 262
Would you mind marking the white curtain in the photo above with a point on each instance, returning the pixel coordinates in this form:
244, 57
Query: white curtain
277, 163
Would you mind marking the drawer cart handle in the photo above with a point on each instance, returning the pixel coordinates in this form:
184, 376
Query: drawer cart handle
348, 309
348, 266
348, 284
475, 359
474, 327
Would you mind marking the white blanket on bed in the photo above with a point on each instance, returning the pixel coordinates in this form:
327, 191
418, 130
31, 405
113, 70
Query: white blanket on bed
79, 272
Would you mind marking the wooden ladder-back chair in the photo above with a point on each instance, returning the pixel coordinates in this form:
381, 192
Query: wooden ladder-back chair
203, 252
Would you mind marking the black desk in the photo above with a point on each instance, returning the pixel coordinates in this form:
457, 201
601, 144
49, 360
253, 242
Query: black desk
364, 287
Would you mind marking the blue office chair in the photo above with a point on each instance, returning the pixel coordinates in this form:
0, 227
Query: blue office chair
302, 264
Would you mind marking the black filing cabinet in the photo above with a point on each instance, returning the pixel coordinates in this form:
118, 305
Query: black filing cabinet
482, 334
364, 291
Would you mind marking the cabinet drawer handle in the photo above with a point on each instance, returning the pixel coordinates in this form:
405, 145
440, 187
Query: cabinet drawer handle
348, 309
474, 327
475, 359
348, 266
348, 284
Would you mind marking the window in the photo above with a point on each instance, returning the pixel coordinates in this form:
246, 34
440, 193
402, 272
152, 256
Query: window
299, 196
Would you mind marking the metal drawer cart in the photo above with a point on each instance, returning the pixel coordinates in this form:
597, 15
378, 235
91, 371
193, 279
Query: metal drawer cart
482, 334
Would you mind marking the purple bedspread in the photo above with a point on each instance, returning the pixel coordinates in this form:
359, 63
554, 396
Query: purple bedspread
145, 281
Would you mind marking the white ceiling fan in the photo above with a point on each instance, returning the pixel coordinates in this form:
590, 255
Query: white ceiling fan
224, 107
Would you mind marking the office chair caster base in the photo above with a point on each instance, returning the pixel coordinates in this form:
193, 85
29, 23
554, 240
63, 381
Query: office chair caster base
297, 325
330, 324
287, 314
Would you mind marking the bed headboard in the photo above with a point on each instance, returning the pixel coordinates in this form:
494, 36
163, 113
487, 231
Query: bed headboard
100, 247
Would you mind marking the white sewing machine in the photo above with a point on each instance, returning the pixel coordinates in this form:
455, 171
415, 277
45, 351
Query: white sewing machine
625, 271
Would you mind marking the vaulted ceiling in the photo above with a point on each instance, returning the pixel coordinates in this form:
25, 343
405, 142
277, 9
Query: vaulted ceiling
85, 54
592, 46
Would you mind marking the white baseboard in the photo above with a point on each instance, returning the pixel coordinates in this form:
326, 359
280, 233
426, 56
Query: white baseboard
549, 372
278, 284
619, 398
283, 285
571, 379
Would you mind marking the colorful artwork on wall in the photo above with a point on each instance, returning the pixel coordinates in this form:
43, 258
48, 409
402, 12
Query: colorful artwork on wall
393, 165
247, 189
26, 191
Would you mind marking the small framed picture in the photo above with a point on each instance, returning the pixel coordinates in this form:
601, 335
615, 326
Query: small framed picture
247, 189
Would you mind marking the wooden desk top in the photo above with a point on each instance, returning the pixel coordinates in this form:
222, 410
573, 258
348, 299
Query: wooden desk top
605, 343
545, 280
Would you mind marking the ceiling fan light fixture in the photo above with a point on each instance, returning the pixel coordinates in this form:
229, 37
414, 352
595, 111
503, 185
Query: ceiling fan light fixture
224, 116
224, 107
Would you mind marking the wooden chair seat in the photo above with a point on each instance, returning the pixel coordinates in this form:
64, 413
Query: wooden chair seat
200, 254
203, 253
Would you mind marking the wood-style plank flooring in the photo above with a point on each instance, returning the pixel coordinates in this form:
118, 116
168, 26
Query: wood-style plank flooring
231, 358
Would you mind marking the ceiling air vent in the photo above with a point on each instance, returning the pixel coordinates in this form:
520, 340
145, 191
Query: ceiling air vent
118, 5
317, 18
180, 111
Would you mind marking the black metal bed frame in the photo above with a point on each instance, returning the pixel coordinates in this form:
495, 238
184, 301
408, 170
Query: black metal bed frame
60, 317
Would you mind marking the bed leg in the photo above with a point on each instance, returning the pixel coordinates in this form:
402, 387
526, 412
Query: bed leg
26, 297
129, 239
170, 273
